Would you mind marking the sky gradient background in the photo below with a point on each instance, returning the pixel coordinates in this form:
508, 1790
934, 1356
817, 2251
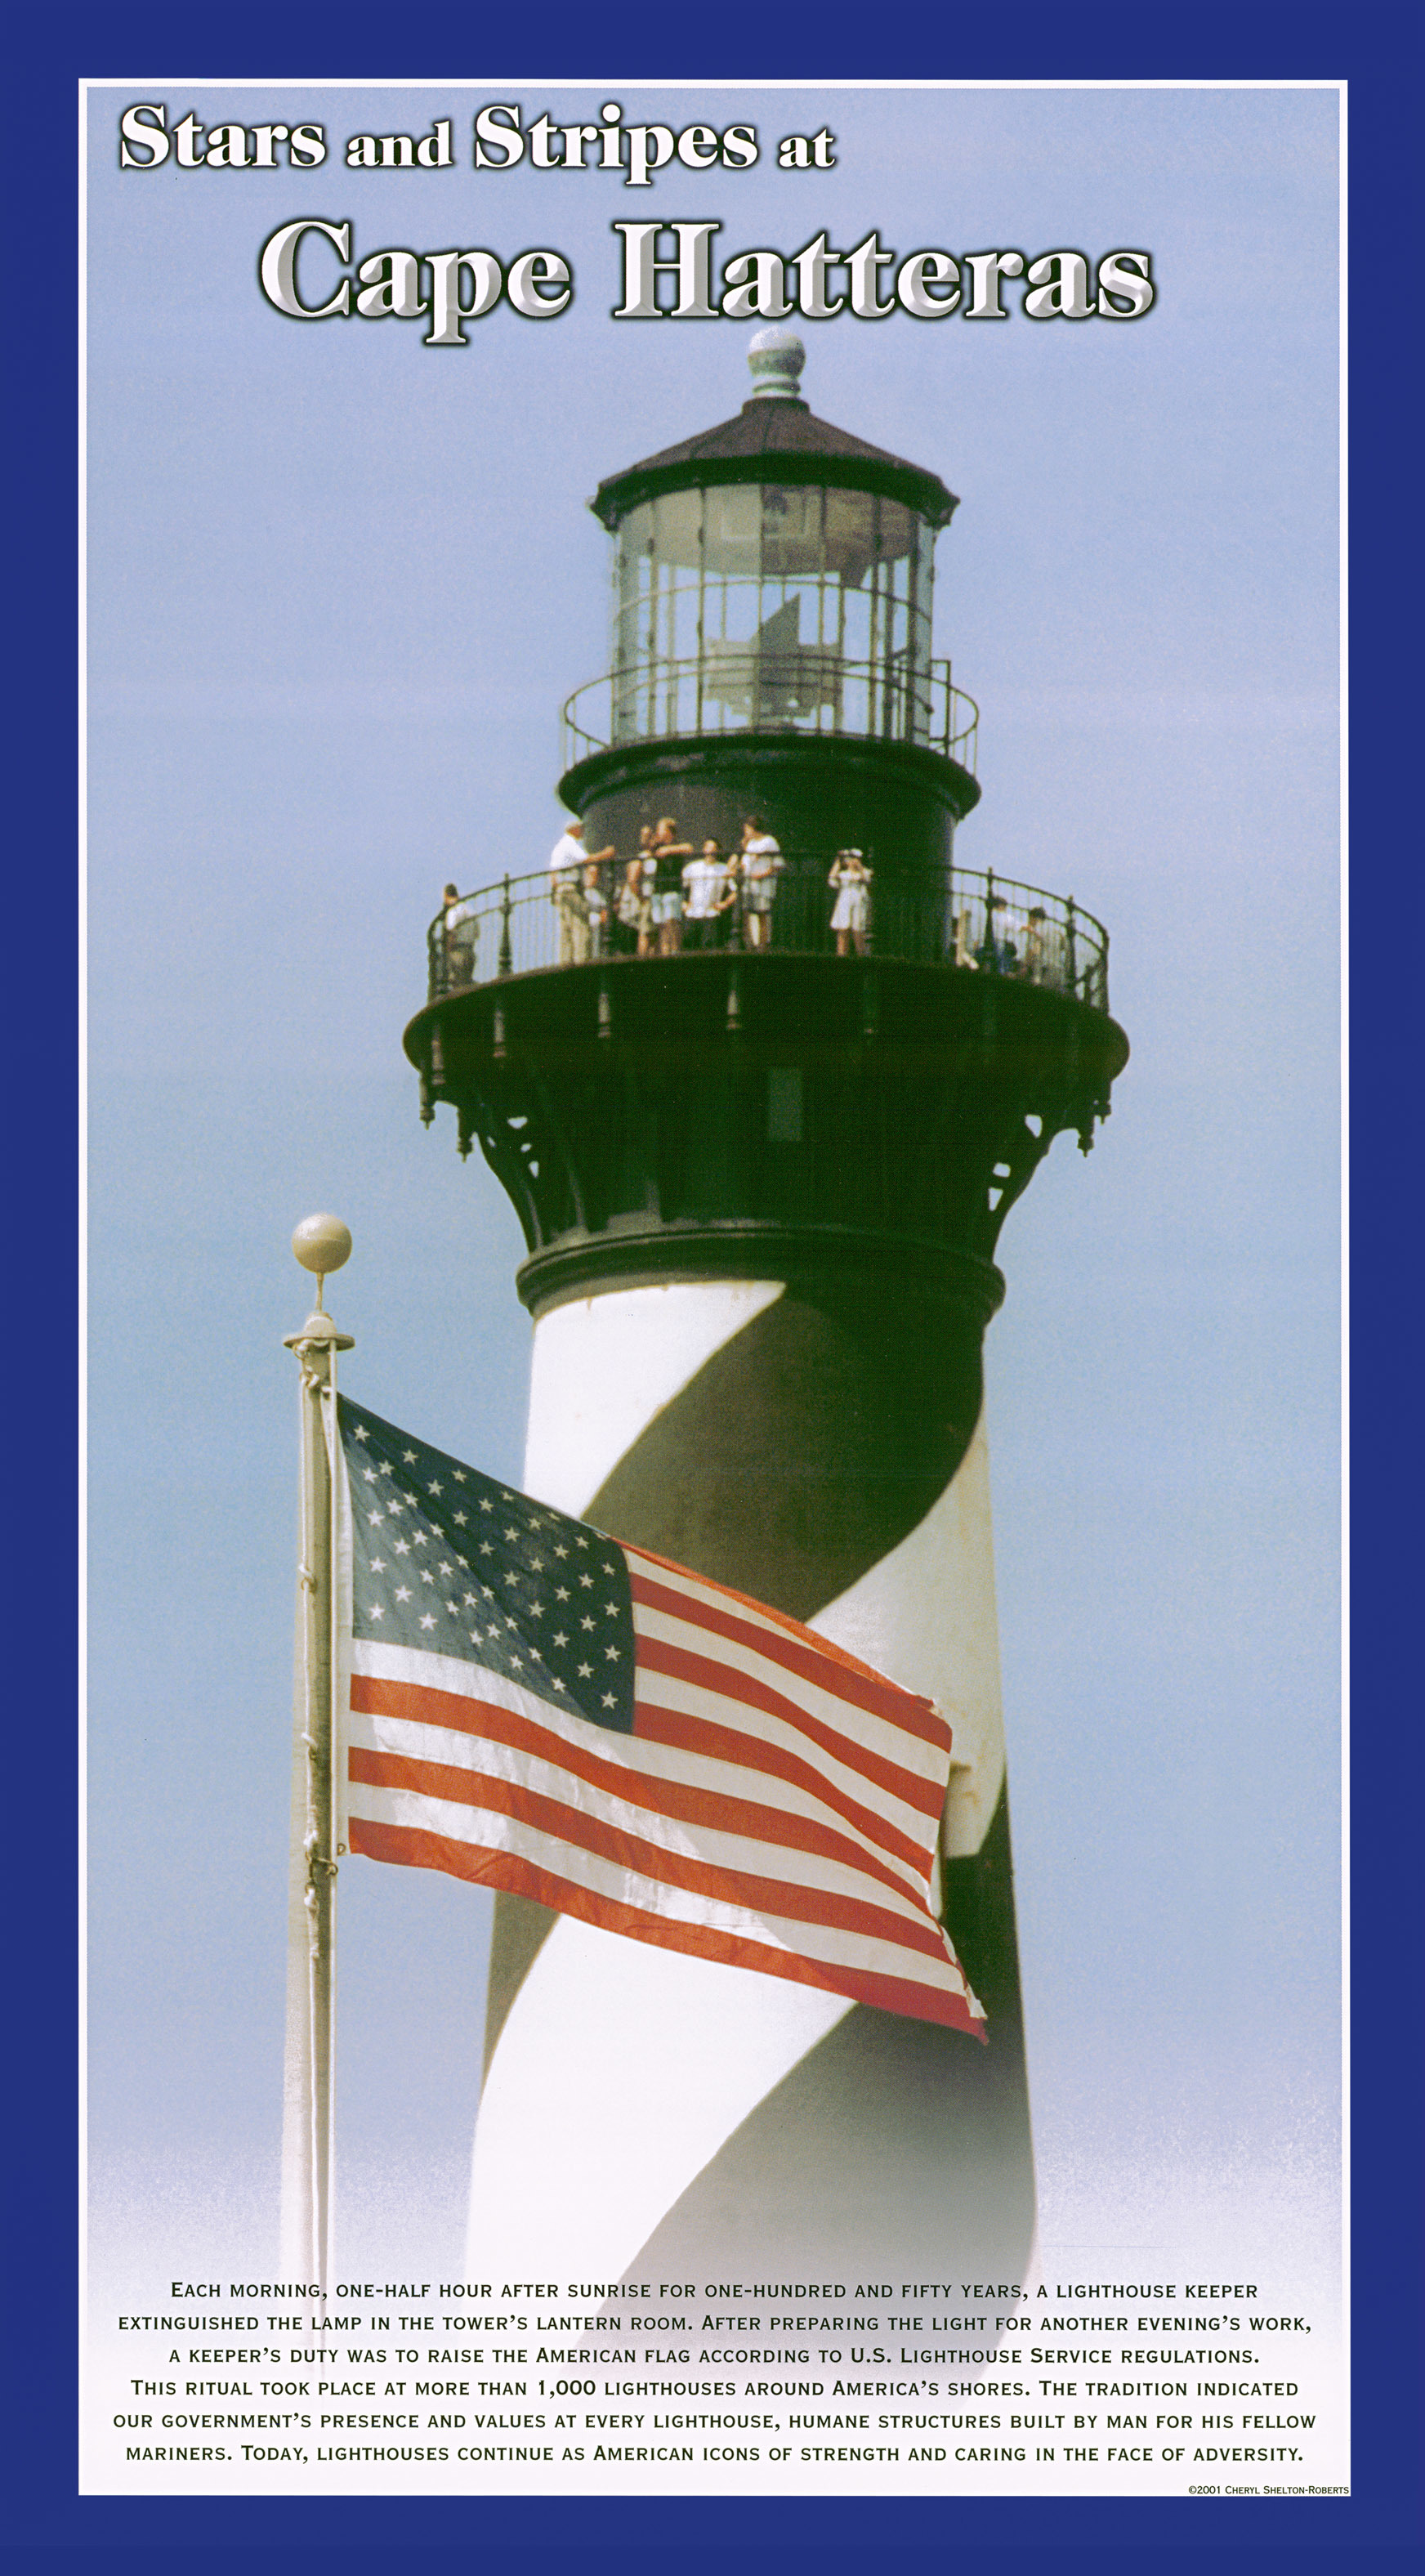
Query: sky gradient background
339, 585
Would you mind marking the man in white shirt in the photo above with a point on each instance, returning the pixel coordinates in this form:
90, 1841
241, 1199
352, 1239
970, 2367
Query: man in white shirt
706, 897
567, 862
1042, 961
759, 864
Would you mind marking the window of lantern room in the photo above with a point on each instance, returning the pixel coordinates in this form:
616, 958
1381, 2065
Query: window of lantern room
772, 607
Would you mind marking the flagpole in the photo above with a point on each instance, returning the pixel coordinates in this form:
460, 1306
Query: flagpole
321, 1244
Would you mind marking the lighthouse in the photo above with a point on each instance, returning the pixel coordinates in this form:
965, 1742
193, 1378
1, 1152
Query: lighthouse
762, 1127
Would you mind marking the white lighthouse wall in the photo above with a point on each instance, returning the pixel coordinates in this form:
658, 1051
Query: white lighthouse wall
622, 2069
604, 1366
926, 1617
620, 2072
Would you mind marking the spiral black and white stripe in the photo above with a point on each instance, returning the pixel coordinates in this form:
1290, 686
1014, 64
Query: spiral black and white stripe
821, 1448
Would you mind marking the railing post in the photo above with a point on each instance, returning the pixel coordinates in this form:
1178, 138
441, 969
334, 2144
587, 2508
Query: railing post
1070, 956
506, 965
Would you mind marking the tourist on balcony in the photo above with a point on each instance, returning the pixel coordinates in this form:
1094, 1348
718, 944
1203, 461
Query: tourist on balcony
596, 907
668, 853
851, 912
647, 874
1041, 962
708, 897
567, 862
759, 863
628, 910
460, 937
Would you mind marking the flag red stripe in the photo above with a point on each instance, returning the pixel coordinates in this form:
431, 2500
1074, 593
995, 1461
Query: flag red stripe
414, 1848
486, 1793
763, 1610
680, 1729
679, 1799
653, 1655
860, 1689
685, 1733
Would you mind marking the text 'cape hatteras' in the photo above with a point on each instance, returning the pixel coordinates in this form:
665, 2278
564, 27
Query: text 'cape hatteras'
542, 1709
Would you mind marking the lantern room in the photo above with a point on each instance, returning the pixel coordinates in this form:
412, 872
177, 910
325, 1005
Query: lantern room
771, 626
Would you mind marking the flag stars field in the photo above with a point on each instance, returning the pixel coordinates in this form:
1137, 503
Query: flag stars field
519, 1544
515, 1559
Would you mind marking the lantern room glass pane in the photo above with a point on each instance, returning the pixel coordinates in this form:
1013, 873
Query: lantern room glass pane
732, 530
772, 607
792, 534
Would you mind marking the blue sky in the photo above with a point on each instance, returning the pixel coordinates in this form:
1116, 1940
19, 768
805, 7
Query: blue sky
339, 586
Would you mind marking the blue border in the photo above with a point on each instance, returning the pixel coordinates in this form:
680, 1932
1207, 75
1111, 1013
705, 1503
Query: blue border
1378, 49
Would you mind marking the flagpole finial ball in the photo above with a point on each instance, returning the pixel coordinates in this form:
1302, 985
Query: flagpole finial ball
322, 1243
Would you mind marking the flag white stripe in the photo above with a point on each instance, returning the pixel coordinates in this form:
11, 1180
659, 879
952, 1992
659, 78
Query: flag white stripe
428, 1669
677, 1578
823, 1943
734, 1852
698, 1593
908, 1753
695, 1699
670, 1763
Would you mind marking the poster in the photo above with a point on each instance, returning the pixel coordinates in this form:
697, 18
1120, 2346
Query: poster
350, 729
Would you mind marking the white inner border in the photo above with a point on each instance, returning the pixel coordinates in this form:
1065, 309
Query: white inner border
210, 81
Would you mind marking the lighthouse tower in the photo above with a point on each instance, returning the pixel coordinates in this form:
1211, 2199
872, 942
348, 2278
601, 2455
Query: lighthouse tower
761, 1165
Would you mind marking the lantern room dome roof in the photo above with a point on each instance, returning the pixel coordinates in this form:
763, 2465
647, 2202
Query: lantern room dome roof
775, 437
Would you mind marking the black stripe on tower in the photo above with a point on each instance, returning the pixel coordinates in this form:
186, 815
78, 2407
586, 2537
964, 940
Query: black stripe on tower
806, 1448
802, 1453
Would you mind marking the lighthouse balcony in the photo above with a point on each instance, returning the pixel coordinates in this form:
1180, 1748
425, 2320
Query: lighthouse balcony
781, 685
969, 923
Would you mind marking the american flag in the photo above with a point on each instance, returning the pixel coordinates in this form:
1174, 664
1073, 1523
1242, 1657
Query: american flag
542, 1709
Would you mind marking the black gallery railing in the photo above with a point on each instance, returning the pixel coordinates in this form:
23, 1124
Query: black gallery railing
986, 925
804, 688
